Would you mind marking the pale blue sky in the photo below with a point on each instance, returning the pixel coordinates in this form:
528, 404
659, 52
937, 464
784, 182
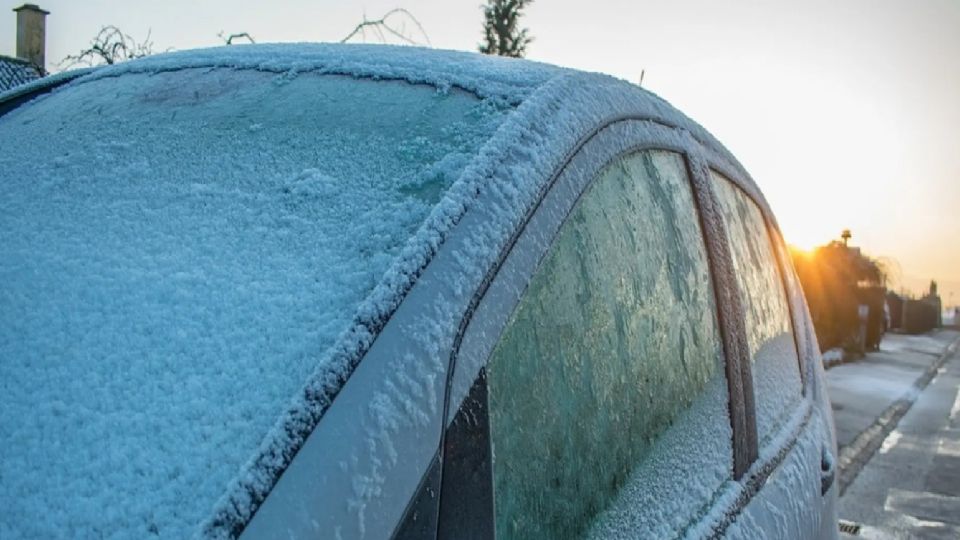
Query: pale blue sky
845, 111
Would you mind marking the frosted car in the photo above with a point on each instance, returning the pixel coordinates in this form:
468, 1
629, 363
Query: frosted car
363, 292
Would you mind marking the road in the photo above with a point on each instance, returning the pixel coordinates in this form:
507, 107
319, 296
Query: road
897, 415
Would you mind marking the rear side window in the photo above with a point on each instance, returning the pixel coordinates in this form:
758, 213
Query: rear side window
773, 352
606, 391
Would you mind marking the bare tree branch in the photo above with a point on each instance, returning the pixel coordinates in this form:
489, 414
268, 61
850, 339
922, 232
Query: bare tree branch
228, 39
110, 46
385, 24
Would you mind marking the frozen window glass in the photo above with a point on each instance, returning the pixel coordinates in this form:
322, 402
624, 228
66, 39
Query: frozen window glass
608, 375
773, 352
178, 253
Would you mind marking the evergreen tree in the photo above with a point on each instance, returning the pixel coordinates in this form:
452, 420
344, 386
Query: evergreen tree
502, 37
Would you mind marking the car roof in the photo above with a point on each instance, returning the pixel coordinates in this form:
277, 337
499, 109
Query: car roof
486, 76
512, 80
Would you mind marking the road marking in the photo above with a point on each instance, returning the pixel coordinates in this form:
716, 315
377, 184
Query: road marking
956, 407
930, 509
948, 447
891, 441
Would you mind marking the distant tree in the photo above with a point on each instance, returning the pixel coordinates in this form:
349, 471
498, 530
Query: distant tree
502, 36
836, 280
110, 46
394, 23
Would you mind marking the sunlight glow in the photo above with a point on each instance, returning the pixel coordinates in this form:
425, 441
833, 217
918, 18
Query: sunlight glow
844, 112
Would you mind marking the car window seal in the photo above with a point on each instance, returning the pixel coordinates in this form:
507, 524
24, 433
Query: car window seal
731, 316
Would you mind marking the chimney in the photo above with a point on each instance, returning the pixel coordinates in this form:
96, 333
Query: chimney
31, 35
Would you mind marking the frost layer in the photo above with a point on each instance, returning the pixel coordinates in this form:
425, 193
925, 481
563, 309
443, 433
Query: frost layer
773, 349
609, 369
179, 250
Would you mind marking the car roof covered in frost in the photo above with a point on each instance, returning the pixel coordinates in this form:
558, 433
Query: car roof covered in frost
575, 104
486, 76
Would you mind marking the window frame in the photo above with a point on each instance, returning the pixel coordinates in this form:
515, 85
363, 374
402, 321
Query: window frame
622, 135
506, 281
783, 266
762, 466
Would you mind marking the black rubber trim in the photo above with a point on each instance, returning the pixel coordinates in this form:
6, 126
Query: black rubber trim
420, 518
466, 508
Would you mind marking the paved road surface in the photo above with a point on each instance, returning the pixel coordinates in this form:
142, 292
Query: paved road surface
898, 426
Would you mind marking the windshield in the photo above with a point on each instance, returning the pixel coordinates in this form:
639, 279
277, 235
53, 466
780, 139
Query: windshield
178, 252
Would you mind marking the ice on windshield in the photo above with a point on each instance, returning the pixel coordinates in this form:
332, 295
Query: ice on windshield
178, 252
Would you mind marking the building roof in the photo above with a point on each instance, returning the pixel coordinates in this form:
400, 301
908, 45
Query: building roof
31, 7
15, 71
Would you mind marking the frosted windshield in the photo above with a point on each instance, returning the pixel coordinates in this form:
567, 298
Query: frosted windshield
178, 252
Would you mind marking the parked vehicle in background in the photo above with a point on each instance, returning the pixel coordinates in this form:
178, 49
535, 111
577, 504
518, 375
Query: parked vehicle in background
309, 291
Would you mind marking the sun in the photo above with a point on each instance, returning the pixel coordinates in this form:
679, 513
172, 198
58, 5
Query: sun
805, 239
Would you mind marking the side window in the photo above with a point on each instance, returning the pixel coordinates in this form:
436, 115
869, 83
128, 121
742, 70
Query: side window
793, 288
773, 351
607, 396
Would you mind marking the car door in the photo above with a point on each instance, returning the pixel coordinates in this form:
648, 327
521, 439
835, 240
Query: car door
788, 490
590, 394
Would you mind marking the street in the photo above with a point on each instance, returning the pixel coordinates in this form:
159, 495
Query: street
897, 414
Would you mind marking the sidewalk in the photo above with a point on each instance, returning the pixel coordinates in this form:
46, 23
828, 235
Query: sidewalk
897, 413
860, 391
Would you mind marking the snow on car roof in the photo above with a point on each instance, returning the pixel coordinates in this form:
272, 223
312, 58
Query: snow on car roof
535, 115
484, 75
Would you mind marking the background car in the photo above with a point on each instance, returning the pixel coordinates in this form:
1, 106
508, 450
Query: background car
319, 291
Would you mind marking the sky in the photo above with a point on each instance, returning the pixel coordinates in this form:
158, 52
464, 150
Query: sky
845, 112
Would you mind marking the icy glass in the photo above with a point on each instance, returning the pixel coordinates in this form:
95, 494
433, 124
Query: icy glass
773, 351
614, 340
178, 253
